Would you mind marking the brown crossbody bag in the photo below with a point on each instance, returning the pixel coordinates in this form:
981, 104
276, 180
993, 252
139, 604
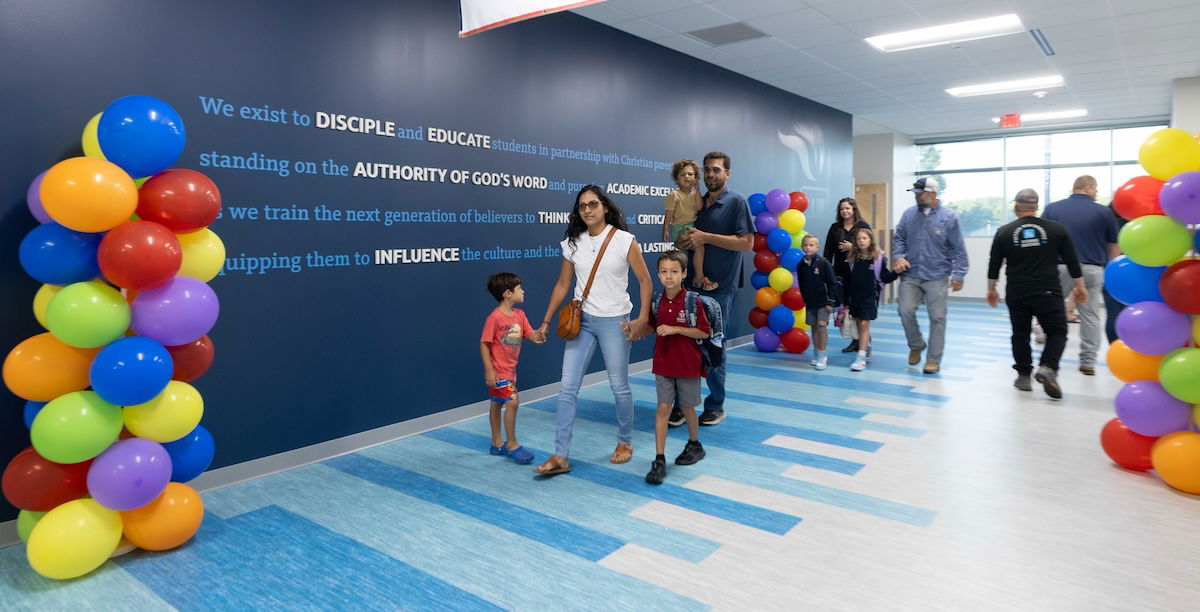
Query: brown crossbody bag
571, 314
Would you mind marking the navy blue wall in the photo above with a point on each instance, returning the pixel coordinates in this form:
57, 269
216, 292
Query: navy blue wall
308, 356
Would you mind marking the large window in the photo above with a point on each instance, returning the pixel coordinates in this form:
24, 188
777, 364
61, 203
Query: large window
979, 177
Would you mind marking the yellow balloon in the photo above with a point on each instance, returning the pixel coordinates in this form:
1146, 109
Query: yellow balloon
780, 280
1169, 152
203, 254
802, 318
791, 220
41, 300
91, 142
73, 539
168, 417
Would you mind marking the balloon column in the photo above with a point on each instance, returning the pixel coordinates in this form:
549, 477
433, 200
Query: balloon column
1156, 355
779, 313
114, 423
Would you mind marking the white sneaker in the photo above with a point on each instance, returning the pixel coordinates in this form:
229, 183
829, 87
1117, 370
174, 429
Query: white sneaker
813, 362
859, 364
821, 363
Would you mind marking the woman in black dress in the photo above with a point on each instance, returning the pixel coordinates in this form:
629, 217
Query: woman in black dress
838, 243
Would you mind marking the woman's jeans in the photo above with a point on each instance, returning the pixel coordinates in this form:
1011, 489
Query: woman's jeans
614, 346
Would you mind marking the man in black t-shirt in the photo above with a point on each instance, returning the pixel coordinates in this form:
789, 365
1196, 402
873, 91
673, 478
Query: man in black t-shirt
1031, 248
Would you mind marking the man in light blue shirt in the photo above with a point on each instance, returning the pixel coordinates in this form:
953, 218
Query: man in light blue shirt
928, 248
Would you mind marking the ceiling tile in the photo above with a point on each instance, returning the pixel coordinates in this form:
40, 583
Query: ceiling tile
757, 47
819, 37
846, 12
691, 19
604, 12
642, 8
801, 20
742, 10
686, 44
644, 29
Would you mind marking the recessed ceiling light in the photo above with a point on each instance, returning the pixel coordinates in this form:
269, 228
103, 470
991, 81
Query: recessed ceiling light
1050, 116
1006, 86
948, 33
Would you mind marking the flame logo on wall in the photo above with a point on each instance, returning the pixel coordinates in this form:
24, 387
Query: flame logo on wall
808, 143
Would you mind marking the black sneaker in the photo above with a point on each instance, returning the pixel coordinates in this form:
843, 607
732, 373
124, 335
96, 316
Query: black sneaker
692, 452
658, 471
852, 347
712, 417
1049, 380
676, 419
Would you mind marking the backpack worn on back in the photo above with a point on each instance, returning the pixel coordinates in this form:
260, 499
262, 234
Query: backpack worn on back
712, 351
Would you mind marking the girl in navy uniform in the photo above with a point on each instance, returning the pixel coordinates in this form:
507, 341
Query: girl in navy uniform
867, 273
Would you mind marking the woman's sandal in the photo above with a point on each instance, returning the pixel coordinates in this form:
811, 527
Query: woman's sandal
622, 454
553, 465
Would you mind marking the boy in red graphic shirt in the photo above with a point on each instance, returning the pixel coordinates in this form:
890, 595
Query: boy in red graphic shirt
678, 366
500, 345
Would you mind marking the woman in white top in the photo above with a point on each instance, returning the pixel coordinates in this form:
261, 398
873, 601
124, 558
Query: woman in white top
605, 316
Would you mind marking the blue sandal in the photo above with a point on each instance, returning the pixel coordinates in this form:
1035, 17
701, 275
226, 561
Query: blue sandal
498, 450
520, 455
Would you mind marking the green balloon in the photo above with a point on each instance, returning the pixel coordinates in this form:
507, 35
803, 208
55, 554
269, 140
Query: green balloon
25, 522
1154, 240
1179, 374
75, 427
87, 315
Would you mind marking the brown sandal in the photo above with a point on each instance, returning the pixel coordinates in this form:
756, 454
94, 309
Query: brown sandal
553, 465
622, 454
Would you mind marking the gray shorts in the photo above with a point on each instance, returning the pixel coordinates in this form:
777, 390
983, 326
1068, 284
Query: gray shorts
813, 316
686, 390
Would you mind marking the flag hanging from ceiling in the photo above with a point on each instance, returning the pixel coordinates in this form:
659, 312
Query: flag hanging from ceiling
481, 15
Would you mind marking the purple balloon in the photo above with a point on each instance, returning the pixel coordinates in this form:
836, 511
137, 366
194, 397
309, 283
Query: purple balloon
33, 198
130, 474
1180, 197
766, 340
1153, 328
765, 222
778, 201
1145, 407
177, 312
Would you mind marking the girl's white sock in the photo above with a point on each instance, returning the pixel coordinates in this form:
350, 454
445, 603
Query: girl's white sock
862, 354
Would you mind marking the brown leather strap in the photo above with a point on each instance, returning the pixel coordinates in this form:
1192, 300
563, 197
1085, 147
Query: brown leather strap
595, 266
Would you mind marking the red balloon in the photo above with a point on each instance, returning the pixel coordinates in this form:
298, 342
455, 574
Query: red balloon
765, 261
139, 255
799, 201
760, 242
32, 482
792, 299
192, 359
795, 340
1127, 449
1138, 197
758, 318
182, 200
1180, 286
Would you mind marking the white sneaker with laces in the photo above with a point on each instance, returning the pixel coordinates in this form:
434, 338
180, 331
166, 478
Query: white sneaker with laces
859, 364
821, 363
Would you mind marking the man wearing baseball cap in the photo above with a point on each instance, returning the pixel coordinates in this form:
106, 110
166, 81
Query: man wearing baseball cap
929, 249
1031, 248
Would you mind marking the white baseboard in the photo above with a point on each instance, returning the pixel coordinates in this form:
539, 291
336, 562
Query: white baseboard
265, 466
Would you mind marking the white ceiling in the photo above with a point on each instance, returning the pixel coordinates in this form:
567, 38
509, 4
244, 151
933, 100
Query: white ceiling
1118, 57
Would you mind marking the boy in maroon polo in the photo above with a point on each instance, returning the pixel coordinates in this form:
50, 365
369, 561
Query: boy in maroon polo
678, 365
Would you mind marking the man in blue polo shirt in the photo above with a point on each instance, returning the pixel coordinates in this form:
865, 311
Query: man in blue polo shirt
726, 229
1093, 231
929, 249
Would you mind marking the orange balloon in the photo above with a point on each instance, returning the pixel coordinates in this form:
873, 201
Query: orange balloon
166, 522
1176, 459
1129, 365
42, 368
767, 298
88, 194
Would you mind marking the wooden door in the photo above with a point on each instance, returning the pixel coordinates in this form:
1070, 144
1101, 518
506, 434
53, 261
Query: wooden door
872, 201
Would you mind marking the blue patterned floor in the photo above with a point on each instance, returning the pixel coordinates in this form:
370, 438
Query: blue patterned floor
435, 522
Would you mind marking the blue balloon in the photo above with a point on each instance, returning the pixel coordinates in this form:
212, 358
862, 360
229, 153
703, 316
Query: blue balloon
55, 255
758, 280
790, 259
758, 203
781, 319
191, 454
131, 371
141, 134
1131, 283
779, 240
766, 340
32, 409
